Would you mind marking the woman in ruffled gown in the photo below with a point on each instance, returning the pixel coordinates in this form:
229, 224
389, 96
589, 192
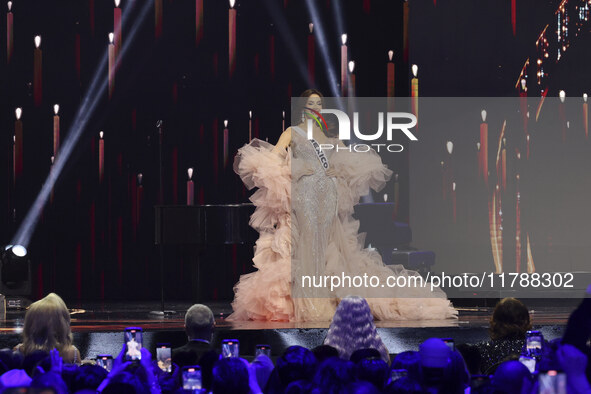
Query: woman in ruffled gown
304, 206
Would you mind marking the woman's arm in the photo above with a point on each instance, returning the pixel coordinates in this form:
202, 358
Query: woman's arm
283, 142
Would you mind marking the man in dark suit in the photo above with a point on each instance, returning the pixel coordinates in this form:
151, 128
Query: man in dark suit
199, 324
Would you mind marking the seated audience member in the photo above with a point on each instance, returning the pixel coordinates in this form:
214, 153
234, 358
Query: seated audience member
299, 387
406, 385
471, 356
49, 380
578, 328
508, 325
199, 324
125, 382
14, 378
457, 377
10, 360
88, 377
230, 376
333, 376
361, 354
374, 371
262, 366
323, 352
352, 328
435, 360
296, 363
361, 387
574, 363
410, 361
512, 377
37, 358
47, 326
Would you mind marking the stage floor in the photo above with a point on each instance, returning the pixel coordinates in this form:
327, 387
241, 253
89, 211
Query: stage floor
93, 317
98, 328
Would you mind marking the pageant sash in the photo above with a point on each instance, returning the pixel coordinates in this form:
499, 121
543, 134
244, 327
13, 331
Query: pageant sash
319, 153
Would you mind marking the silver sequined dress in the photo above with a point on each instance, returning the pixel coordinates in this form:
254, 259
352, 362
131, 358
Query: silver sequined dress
304, 218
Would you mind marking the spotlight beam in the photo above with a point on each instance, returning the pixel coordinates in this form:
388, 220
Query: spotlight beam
324, 47
336, 8
85, 111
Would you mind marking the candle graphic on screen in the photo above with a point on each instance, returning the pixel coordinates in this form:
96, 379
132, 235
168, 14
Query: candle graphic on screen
232, 38
56, 130
9, 33
414, 91
484, 146
344, 90
585, 115
37, 72
190, 187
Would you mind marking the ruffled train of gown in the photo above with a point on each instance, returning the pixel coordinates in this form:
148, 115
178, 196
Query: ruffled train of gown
266, 294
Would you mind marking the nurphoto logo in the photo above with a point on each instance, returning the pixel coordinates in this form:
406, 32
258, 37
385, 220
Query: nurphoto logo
392, 123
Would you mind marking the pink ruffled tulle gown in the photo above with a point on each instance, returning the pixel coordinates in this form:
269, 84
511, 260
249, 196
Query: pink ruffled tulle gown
304, 218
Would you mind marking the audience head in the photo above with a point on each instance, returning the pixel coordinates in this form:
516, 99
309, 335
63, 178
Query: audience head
435, 357
299, 387
434, 353
510, 320
47, 326
126, 382
323, 352
374, 371
49, 380
352, 328
406, 385
199, 322
471, 356
511, 376
230, 376
361, 354
411, 361
296, 363
457, 377
33, 360
14, 378
361, 387
334, 375
263, 366
88, 377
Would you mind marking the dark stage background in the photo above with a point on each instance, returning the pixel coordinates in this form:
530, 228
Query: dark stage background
95, 241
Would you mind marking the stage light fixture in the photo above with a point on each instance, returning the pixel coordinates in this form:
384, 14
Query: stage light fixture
15, 271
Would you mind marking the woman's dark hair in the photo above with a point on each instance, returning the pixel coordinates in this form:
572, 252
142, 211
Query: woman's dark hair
471, 356
88, 377
298, 107
49, 380
126, 382
361, 387
299, 387
409, 360
361, 354
374, 371
322, 352
405, 385
296, 116
510, 320
296, 363
230, 376
334, 375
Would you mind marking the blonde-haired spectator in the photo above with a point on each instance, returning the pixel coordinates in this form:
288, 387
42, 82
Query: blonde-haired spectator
47, 327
